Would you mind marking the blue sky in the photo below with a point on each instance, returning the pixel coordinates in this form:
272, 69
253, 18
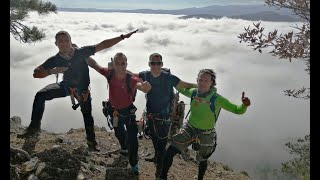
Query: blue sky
149, 4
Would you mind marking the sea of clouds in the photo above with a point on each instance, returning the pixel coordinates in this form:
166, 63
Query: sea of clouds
187, 45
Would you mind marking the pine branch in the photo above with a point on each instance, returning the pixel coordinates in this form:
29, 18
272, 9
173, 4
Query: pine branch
19, 10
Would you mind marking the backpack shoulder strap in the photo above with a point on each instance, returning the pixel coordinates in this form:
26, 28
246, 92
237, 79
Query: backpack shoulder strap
194, 93
147, 74
165, 82
128, 79
212, 107
212, 99
128, 84
110, 75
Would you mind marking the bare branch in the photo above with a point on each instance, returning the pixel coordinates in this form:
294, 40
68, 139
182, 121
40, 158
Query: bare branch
284, 46
303, 93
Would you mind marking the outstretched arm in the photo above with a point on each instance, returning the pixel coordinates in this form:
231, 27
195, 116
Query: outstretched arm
237, 109
183, 84
133, 74
93, 64
110, 42
186, 91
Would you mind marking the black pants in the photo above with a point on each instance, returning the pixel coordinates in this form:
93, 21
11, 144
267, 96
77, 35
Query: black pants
59, 90
168, 159
159, 134
126, 133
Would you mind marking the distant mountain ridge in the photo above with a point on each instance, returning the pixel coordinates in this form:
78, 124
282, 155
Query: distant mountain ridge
263, 16
246, 12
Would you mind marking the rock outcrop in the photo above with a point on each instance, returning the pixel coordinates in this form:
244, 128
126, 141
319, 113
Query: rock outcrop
51, 155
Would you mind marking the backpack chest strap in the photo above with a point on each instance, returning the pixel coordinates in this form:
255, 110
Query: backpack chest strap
201, 100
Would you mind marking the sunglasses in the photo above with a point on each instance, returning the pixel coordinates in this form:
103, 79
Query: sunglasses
120, 63
155, 63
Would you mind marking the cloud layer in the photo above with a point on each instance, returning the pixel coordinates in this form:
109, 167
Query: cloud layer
150, 4
186, 46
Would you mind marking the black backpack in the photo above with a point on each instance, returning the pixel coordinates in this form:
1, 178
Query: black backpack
170, 90
128, 78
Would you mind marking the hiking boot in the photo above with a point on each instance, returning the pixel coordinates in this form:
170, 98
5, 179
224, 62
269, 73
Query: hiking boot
93, 146
135, 170
158, 171
123, 151
27, 133
153, 159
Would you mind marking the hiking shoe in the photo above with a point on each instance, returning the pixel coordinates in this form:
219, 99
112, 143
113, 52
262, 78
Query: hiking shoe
93, 146
158, 171
153, 159
27, 133
135, 170
123, 151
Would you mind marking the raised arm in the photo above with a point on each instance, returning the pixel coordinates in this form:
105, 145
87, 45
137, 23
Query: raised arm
110, 42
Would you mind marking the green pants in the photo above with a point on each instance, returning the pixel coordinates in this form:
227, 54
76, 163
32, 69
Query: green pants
188, 135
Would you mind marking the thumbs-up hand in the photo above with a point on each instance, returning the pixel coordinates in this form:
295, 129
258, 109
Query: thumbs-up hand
245, 100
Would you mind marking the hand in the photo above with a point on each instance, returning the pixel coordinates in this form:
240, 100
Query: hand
129, 34
146, 86
58, 70
110, 65
245, 100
